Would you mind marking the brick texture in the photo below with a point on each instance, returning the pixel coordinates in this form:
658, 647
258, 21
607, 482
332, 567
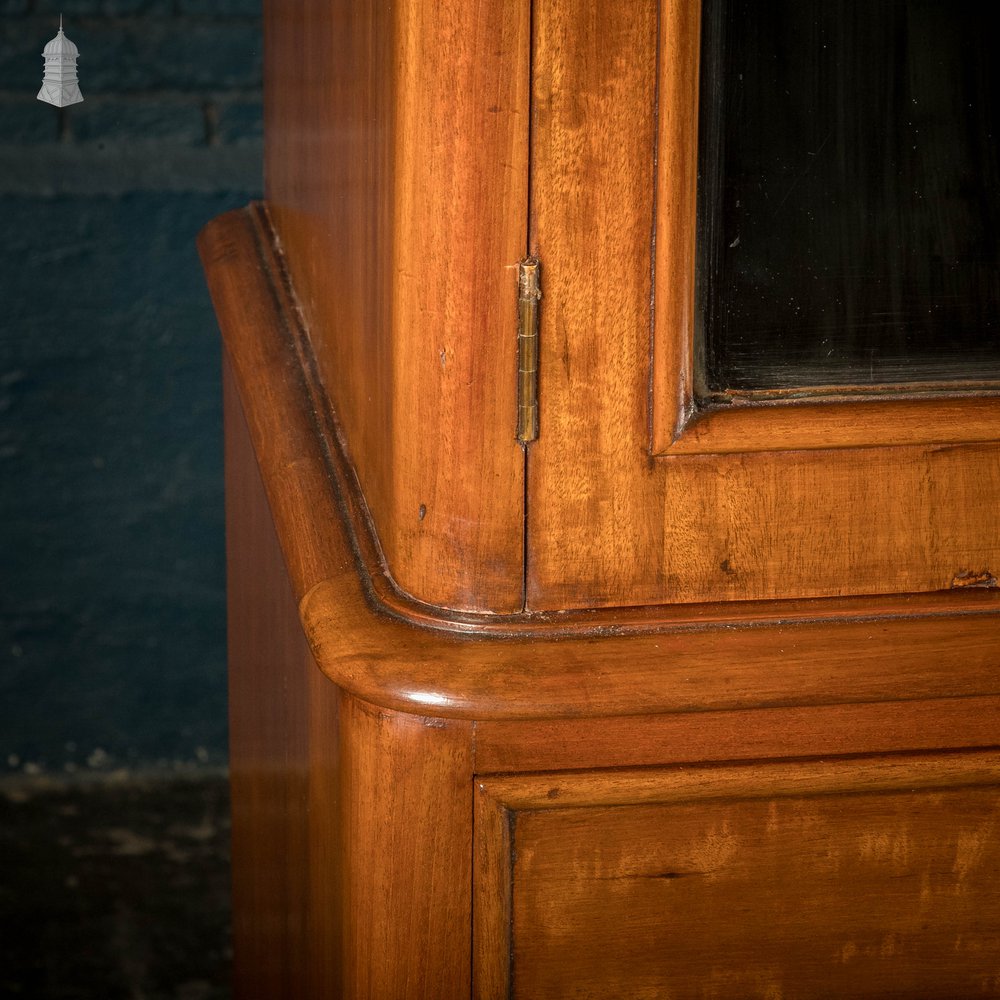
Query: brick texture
240, 121
112, 633
178, 120
24, 120
121, 55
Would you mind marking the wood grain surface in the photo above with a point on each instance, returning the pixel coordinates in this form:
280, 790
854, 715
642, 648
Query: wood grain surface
352, 825
273, 698
406, 828
758, 734
591, 540
866, 878
850, 421
713, 725
608, 524
771, 655
396, 176
672, 389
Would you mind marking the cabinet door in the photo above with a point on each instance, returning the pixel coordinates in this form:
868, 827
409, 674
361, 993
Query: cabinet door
647, 484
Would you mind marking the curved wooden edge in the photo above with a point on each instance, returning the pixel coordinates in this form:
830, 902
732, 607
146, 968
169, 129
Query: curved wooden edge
398, 654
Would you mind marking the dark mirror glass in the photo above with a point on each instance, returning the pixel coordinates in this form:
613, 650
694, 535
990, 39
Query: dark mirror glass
849, 193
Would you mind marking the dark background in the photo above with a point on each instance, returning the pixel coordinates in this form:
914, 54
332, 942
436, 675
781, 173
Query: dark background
851, 212
114, 820
112, 633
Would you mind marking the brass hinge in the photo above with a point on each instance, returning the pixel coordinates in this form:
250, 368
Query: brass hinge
528, 295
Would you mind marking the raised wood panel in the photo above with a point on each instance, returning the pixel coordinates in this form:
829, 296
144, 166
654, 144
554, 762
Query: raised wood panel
859, 878
396, 176
610, 525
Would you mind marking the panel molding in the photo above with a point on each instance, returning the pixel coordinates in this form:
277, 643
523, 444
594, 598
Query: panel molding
684, 423
563, 863
902, 420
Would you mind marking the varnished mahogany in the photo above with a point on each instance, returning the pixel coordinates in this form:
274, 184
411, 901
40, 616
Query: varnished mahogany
351, 822
361, 868
396, 176
744, 500
839, 878
870, 651
651, 734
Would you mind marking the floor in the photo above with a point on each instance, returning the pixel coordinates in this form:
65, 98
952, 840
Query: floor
115, 888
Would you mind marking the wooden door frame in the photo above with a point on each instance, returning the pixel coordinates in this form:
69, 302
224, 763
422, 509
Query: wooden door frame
838, 417
637, 494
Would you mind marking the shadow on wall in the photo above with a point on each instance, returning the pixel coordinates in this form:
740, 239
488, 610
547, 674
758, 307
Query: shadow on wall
112, 635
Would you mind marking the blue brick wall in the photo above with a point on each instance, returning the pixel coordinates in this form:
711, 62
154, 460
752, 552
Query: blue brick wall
112, 632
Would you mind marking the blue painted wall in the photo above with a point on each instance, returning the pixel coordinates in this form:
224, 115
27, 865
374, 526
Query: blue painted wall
112, 631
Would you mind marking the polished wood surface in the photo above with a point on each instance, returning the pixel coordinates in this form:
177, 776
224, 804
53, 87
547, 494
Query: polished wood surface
293, 427
493, 897
406, 829
801, 502
270, 737
759, 734
370, 862
396, 176
672, 382
750, 425
352, 824
702, 724
590, 541
851, 878
764, 656
677, 670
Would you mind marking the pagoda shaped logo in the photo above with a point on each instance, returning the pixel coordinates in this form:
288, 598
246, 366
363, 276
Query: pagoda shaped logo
59, 84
